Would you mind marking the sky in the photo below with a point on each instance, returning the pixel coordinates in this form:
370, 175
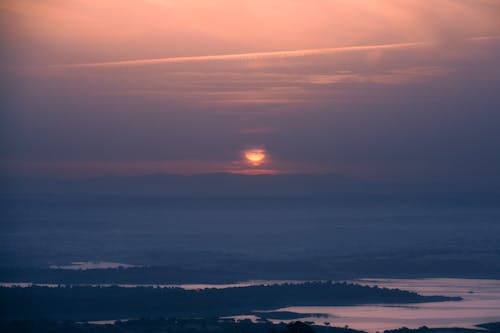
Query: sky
398, 90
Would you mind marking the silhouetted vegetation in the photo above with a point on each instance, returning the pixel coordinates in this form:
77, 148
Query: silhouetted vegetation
213, 325
92, 303
166, 325
492, 327
483, 328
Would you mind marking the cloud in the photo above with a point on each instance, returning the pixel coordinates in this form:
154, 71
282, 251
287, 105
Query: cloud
377, 87
247, 56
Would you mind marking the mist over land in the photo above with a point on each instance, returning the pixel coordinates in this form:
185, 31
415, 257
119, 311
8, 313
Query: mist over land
237, 227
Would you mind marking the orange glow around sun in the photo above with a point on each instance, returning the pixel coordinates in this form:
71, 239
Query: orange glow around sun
255, 156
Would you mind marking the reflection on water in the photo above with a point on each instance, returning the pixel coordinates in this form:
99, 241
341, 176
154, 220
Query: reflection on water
188, 286
481, 304
84, 265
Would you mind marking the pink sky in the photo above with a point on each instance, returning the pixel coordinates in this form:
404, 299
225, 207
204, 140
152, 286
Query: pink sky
377, 89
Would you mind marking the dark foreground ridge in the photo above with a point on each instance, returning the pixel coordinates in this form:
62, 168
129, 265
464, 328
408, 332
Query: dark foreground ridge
167, 325
483, 328
205, 325
96, 303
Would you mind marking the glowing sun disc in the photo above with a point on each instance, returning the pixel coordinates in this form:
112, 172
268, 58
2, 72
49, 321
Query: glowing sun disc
255, 156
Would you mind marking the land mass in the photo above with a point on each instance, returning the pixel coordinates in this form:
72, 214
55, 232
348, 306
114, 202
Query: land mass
206, 325
167, 325
97, 303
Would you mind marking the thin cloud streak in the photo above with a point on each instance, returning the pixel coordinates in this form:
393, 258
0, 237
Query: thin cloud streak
94, 168
245, 56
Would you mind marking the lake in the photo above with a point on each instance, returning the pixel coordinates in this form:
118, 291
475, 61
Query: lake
481, 304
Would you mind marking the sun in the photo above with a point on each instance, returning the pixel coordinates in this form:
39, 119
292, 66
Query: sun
255, 156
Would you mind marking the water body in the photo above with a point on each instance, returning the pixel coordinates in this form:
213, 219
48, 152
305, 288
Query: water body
55, 230
481, 304
187, 286
85, 265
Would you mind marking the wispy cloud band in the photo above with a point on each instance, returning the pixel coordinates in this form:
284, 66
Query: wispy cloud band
245, 56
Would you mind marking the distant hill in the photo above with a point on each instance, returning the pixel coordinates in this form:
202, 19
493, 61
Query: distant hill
227, 184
